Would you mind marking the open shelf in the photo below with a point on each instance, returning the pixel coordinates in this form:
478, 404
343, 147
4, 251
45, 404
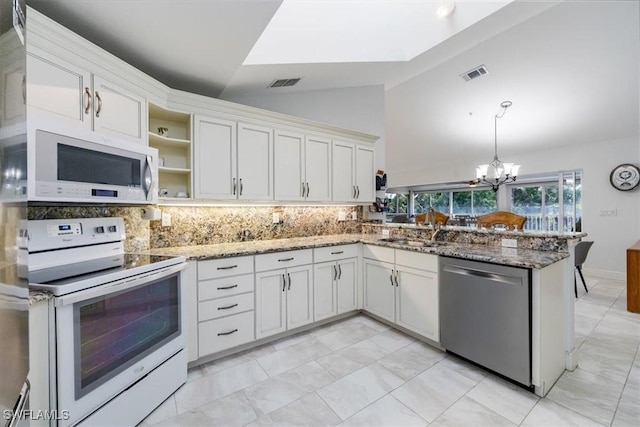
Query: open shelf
174, 149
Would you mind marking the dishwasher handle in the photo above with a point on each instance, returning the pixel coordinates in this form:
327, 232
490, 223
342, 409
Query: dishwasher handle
516, 281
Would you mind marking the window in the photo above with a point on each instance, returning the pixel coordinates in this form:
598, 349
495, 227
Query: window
438, 200
545, 208
398, 204
457, 203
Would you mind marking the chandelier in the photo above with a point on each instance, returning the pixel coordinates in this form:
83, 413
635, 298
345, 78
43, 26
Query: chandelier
500, 172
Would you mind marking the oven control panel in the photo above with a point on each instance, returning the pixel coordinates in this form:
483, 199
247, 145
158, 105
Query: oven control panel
52, 234
68, 229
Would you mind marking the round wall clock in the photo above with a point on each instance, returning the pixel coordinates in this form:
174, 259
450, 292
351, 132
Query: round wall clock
625, 177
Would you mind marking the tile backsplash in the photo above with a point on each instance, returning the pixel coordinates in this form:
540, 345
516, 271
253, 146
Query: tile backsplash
219, 224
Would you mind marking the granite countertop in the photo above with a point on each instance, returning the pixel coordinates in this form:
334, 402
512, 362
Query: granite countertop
494, 254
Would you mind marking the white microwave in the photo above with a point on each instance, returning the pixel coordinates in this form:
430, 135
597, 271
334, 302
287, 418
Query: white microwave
77, 170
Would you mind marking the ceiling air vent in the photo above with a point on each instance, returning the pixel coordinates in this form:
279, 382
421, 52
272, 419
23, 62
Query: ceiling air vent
475, 73
285, 82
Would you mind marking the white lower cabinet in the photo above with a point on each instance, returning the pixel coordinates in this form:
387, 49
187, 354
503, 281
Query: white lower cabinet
335, 280
284, 296
225, 304
334, 290
402, 287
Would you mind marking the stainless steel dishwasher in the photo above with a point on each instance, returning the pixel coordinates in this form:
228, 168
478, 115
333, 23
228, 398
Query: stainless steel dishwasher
485, 315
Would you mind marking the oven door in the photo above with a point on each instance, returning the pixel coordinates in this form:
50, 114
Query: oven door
110, 336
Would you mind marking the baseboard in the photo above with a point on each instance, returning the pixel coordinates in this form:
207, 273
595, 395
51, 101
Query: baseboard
605, 274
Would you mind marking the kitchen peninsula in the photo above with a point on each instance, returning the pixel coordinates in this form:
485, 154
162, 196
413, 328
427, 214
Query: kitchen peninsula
323, 262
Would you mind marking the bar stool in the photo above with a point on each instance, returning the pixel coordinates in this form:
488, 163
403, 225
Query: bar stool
581, 251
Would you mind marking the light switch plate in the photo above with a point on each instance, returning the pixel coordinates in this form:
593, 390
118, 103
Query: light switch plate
166, 220
354, 216
385, 233
342, 216
276, 218
509, 243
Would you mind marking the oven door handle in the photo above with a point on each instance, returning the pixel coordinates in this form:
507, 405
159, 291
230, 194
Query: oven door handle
119, 285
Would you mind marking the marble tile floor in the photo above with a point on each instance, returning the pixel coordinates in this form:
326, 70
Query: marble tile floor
359, 372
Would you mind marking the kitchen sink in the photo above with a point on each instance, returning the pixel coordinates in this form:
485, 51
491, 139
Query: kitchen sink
419, 243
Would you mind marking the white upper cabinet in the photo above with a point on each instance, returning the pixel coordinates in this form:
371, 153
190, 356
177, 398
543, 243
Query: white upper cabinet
318, 168
118, 112
343, 175
69, 93
353, 172
365, 174
214, 149
255, 160
301, 167
232, 160
60, 88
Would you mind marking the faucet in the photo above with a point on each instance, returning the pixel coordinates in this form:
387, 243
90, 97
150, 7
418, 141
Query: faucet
431, 219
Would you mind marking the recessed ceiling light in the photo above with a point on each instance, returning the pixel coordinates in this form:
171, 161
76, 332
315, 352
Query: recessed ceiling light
446, 9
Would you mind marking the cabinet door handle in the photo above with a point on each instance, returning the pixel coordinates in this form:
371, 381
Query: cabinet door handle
24, 89
284, 283
289, 278
224, 288
234, 186
339, 272
357, 191
99, 110
87, 107
335, 273
241, 186
302, 190
227, 333
307, 189
391, 277
397, 278
285, 259
228, 267
227, 307
354, 191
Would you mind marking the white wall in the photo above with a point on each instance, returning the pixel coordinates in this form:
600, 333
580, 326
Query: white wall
358, 108
612, 235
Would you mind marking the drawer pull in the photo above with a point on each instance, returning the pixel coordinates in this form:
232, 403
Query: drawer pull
337, 252
229, 267
224, 288
227, 307
227, 333
285, 259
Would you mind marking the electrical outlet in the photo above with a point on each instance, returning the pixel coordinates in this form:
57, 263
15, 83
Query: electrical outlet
509, 252
342, 216
354, 216
609, 212
276, 218
166, 219
509, 243
385, 233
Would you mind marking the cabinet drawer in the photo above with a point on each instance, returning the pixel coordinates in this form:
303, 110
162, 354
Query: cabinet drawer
417, 260
331, 253
283, 259
221, 334
221, 307
224, 287
378, 253
212, 269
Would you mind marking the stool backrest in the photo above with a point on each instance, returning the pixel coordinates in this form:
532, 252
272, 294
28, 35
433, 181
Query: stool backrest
582, 249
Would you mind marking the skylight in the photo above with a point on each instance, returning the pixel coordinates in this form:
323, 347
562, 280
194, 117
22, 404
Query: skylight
329, 31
